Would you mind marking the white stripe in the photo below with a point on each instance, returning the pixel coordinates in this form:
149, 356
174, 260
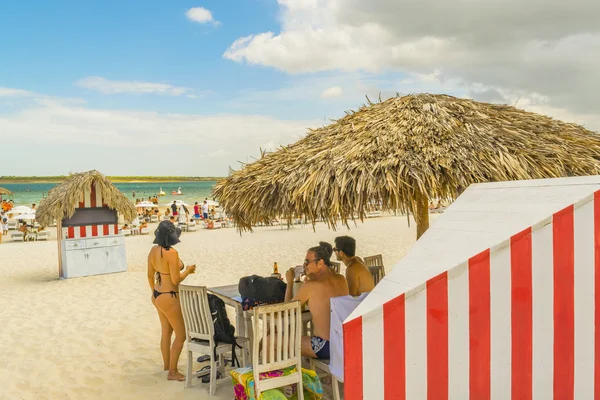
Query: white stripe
88, 231
77, 232
584, 301
500, 324
416, 346
98, 197
372, 328
543, 313
458, 333
87, 198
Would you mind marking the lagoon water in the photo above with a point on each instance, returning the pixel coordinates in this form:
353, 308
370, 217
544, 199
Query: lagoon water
28, 193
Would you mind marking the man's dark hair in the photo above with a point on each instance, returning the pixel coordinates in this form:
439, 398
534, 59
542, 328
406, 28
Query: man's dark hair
346, 244
322, 253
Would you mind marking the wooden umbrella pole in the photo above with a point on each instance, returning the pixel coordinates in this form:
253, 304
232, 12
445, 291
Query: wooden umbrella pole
421, 214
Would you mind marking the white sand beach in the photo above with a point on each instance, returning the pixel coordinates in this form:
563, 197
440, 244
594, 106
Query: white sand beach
98, 337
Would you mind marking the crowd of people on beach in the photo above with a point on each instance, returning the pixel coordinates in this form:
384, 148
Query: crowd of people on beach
321, 282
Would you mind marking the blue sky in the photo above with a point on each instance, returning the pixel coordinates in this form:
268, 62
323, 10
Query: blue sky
191, 87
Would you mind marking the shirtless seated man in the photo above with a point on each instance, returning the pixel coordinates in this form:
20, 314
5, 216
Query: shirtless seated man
323, 284
358, 275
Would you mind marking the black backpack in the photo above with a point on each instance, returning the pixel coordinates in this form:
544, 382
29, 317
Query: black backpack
224, 331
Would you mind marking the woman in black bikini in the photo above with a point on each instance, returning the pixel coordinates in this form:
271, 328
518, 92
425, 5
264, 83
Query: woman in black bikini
164, 276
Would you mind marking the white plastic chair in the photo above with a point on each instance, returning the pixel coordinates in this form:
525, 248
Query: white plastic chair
126, 232
43, 235
145, 231
200, 332
191, 226
281, 339
17, 236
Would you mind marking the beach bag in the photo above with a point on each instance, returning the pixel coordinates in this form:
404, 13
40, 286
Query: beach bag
224, 331
268, 290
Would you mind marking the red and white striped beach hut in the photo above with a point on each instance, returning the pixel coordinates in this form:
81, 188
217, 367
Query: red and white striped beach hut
86, 208
499, 299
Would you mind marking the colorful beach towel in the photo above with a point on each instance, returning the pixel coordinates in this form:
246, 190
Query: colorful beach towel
243, 385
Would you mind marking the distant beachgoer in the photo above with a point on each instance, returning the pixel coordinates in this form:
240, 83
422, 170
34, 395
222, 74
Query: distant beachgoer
164, 277
4, 221
196, 210
33, 206
174, 208
205, 210
133, 193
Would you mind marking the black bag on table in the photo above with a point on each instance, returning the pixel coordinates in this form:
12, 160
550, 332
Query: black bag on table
262, 289
224, 331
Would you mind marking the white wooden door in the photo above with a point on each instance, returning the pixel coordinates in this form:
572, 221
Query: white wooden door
97, 261
76, 263
117, 259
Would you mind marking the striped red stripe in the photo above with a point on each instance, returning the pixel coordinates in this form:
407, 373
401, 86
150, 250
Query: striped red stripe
521, 314
116, 229
93, 195
563, 247
597, 295
394, 378
82, 231
71, 232
105, 229
437, 337
94, 230
479, 326
353, 360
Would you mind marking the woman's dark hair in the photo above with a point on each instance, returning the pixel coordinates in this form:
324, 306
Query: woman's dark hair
323, 253
328, 247
166, 235
346, 244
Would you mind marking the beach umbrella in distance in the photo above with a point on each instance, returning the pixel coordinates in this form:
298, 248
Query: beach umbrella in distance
5, 192
18, 210
402, 153
145, 204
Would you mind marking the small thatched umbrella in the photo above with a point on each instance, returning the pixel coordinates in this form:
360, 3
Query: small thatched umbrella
62, 201
4, 192
402, 153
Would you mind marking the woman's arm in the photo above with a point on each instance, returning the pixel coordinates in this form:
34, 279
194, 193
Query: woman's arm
176, 275
150, 273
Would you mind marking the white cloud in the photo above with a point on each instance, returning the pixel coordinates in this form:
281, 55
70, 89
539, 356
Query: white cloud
335, 91
107, 86
548, 47
144, 142
201, 15
9, 92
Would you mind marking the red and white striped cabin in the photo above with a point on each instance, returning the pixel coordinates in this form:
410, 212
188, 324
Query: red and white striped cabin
91, 198
499, 299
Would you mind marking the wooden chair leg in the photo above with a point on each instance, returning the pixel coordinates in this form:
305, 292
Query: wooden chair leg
188, 376
213, 376
336, 388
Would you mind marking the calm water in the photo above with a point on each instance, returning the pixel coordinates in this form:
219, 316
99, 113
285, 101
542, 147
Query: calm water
28, 193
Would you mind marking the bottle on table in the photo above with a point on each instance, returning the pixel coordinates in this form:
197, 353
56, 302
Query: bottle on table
275, 273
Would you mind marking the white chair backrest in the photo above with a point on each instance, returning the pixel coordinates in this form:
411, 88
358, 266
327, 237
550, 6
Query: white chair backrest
196, 312
372, 261
281, 335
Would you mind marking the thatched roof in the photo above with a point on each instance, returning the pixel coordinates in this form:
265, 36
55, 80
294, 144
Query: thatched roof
395, 151
64, 199
5, 192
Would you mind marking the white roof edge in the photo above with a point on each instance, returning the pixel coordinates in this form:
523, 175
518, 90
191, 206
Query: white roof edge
569, 181
493, 249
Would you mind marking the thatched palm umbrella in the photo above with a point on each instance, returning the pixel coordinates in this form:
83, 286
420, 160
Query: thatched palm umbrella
62, 201
4, 192
402, 153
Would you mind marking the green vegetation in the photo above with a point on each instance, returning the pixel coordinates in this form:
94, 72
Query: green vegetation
116, 179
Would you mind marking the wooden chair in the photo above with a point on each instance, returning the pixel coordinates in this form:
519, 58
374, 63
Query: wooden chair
375, 265
335, 266
372, 261
323, 365
200, 332
281, 339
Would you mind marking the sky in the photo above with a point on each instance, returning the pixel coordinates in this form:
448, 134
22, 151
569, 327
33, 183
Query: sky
190, 88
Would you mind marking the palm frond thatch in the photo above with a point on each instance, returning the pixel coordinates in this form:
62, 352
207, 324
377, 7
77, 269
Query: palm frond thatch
401, 152
5, 192
64, 199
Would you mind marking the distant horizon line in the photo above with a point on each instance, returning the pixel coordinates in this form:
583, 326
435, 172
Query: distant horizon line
114, 178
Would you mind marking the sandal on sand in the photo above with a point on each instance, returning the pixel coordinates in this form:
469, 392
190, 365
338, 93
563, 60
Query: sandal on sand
202, 359
206, 378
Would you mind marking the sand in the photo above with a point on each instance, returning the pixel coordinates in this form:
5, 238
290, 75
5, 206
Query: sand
98, 337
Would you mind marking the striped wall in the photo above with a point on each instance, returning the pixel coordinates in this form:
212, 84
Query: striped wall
517, 321
91, 198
